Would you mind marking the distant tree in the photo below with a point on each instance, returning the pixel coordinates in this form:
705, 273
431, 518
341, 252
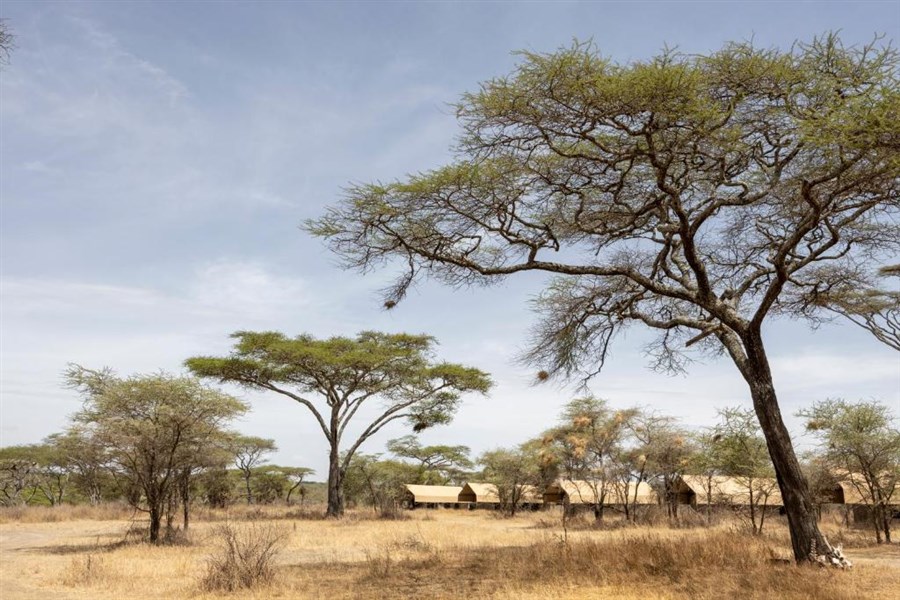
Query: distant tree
153, 427
698, 195
666, 451
343, 374
514, 471
740, 452
86, 459
861, 442
18, 474
439, 465
587, 443
249, 453
296, 477
379, 482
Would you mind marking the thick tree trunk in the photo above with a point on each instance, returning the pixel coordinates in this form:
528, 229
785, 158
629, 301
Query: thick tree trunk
335, 485
808, 542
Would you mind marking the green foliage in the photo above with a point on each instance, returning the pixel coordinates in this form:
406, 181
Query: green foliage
334, 377
154, 429
379, 483
860, 442
437, 465
514, 471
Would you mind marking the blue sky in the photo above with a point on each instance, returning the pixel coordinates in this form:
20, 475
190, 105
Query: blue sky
157, 158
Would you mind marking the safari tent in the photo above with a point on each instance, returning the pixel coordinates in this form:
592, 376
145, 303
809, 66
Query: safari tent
432, 496
580, 492
486, 494
699, 490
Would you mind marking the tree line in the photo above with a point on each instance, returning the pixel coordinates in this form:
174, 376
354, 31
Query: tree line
612, 451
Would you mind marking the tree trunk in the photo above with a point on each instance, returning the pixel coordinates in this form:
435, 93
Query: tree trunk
186, 498
808, 542
335, 485
155, 520
249, 489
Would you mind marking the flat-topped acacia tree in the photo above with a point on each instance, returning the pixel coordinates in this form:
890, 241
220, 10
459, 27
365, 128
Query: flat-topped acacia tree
392, 374
696, 195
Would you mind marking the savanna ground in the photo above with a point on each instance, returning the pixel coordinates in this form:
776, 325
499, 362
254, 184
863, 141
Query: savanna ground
79, 552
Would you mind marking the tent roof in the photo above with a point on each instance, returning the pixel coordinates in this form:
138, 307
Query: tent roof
487, 492
732, 490
484, 492
434, 493
587, 492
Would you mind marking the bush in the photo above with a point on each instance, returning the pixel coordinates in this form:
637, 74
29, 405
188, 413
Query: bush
244, 558
85, 570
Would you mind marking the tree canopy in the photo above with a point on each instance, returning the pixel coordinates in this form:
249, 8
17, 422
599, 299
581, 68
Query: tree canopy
333, 378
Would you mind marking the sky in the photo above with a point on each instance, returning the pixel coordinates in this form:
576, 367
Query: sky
158, 158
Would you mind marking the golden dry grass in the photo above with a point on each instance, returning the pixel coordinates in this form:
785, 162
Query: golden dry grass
437, 554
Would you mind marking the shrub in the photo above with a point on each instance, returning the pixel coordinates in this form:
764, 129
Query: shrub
244, 558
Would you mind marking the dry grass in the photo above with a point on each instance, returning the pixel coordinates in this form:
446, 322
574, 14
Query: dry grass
243, 558
440, 554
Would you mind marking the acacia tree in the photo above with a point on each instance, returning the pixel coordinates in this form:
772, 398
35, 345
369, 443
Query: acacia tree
249, 452
153, 427
335, 377
587, 443
666, 452
439, 464
740, 452
699, 196
515, 472
861, 443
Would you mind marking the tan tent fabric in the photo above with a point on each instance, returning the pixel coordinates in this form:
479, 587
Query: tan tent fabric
486, 493
732, 490
443, 494
482, 493
587, 492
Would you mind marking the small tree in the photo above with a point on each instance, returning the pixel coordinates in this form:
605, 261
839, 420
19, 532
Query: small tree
667, 451
18, 475
379, 482
438, 465
249, 453
85, 458
153, 427
587, 443
740, 452
861, 442
333, 378
514, 472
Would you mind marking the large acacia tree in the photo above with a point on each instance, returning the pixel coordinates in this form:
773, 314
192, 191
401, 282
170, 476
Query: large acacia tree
334, 378
700, 196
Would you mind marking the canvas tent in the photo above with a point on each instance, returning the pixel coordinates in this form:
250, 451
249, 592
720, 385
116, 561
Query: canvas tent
699, 490
433, 495
486, 494
580, 492
479, 493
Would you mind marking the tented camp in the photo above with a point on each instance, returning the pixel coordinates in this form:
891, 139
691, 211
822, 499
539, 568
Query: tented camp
432, 496
487, 495
479, 494
699, 490
579, 492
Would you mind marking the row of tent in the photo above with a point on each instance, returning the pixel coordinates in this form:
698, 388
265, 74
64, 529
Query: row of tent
693, 490
487, 494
